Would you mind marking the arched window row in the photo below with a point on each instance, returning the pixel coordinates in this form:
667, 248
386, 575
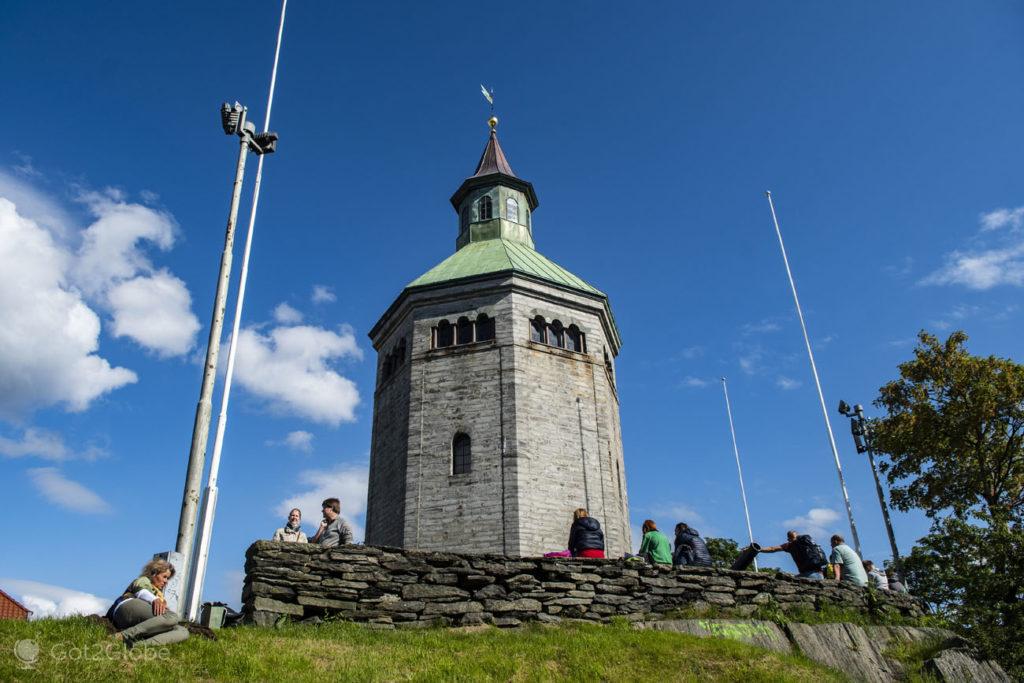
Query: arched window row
462, 454
555, 334
463, 331
394, 359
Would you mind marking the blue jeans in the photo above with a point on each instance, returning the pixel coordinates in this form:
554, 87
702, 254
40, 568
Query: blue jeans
813, 574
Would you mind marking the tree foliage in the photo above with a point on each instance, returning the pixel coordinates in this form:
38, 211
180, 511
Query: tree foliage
954, 434
953, 442
723, 551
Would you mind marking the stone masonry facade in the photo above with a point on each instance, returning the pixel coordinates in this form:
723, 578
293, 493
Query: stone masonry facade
392, 587
543, 423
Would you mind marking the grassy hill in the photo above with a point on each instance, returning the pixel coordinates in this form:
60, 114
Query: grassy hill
76, 649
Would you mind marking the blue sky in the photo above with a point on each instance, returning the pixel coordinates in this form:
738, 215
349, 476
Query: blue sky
889, 136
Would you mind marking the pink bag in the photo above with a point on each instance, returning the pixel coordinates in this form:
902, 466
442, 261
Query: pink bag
559, 553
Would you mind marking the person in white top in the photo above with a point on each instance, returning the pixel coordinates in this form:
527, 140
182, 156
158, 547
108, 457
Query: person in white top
292, 531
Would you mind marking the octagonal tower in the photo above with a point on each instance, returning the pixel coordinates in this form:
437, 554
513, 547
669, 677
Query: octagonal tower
495, 411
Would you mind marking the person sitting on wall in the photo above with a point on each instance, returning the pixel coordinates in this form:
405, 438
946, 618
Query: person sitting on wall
807, 555
292, 531
846, 565
333, 529
140, 613
655, 547
585, 536
876, 577
895, 584
690, 548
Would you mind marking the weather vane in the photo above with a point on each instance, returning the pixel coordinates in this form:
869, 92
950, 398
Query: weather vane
489, 96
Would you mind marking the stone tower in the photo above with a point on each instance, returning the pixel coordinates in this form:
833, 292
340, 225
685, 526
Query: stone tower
495, 412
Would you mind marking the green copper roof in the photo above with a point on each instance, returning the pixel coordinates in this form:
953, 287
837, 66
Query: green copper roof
496, 256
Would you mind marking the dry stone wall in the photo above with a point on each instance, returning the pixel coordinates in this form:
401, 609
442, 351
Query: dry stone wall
392, 587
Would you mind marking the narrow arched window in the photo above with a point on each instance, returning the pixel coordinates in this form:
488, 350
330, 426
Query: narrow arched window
462, 456
556, 334
575, 339
608, 366
401, 351
512, 209
484, 327
445, 334
537, 328
483, 208
464, 331
464, 218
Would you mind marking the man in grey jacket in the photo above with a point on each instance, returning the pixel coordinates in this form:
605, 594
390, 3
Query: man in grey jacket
333, 529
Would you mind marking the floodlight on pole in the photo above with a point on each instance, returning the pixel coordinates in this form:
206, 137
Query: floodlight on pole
263, 143
817, 381
861, 430
233, 122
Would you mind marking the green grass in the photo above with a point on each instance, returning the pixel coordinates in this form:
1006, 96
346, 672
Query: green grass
914, 655
74, 649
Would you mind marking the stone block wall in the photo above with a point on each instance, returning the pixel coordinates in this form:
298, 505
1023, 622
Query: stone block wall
391, 587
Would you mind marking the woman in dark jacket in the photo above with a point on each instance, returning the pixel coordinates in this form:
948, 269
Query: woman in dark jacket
585, 537
690, 548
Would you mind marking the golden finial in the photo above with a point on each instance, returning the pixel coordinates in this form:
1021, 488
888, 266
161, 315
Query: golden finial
493, 122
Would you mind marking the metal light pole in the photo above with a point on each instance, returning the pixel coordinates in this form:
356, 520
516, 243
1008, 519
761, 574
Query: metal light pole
817, 382
862, 440
739, 470
197, 577
233, 121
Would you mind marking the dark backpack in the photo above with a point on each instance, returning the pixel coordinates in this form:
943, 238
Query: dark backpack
807, 554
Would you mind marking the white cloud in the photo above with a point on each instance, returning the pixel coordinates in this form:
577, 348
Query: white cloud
818, 522
37, 206
49, 336
1002, 218
155, 311
286, 315
297, 441
762, 327
49, 601
787, 383
348, 483
291, 368
46, 445
992, 261
322, 294
982, 269
694, 382
691, 352
62, 491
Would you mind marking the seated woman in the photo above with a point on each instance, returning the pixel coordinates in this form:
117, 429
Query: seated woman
585, 537
690, 547
655, 547
141, 615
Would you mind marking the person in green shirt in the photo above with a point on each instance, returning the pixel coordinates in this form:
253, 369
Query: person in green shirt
847, 566
655, 545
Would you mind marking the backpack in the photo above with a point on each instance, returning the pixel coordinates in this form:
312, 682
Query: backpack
807, 554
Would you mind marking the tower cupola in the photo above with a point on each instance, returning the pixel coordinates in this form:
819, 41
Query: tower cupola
494, 203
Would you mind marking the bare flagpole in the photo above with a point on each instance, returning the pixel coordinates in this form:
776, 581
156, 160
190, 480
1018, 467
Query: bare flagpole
817, 382
739, 470
198, 574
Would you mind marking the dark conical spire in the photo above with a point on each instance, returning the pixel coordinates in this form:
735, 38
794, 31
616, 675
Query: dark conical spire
493, 159
494, 169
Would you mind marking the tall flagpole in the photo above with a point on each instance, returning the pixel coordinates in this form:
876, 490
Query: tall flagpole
198, 574
739, 469
817, 382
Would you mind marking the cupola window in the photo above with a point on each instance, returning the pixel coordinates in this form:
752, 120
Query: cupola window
483, 208
512, 209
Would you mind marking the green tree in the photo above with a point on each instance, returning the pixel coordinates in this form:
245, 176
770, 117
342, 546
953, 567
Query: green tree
723, 551
953, 441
